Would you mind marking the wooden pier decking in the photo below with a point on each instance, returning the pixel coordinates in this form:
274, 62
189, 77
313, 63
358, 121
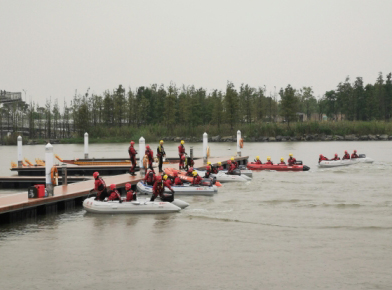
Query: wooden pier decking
18, 202
22, 182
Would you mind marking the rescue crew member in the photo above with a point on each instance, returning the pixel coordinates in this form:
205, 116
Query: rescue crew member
196, 178
177, 179
282, 161
181, 153
150, 156
234, 162
258, 161
336, 157
132, 155
189, 172
208, 171
150, 177
189, 162
231, 167
269, 162
322, 157
99, 187
114, 194
291, 161
160, 154
213, 168
346, 155
159, 188
131, 195
354, 155
220, 167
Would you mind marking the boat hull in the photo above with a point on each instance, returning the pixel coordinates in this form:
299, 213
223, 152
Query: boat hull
276, 167
180, 189
346, 162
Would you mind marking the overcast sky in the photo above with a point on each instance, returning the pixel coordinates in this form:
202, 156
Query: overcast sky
52, 48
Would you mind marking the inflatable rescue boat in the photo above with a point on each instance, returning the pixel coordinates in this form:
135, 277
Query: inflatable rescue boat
182, 175
346, 162
185, 189
277, 167
223, 177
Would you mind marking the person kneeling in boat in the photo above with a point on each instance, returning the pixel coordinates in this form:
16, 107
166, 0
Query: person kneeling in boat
177, 179
234, 162
99, 187
354, 155
322, 157
258, 161
150, 177
114, 194
346, 155
336, 157
213, 169
189, 172
291, 161
231, 167
159, 188
196, 178
282, 161
131, 195
220, 167
208, 171
269, 162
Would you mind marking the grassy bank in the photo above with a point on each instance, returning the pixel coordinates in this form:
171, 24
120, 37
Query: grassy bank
153, 133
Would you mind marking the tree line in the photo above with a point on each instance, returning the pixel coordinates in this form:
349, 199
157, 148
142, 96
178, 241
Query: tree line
187, 106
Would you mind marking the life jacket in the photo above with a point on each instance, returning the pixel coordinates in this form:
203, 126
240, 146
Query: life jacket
258, 162
160, 151
282, 163
346, 156
150, 177
269, 162
291, 161
114, 195
196, 180
131, 195
100, 184
132, 152
149, 154
354, 155
181, 149
178, 181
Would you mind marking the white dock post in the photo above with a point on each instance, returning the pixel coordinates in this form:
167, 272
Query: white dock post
20, 151
205, 145
48, 168
238, 143
142, 149
86, 145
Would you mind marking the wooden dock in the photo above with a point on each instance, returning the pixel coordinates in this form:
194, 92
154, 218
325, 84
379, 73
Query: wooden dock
18, 206
15, 181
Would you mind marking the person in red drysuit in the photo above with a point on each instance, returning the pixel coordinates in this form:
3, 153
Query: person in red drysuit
322, 157
189, 172
234, 162
177, 180
231, 167
346, 155
336, 157
354, 155
220, 167
99, 187
282, 161
181, 154
291, 161
150, 155
150, 177
258, 161
132, 155
159, 188
196, 178
131, 195
269, 162
208, 171
114, 194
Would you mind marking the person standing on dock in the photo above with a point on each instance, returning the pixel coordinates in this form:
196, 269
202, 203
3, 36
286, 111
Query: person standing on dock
132, 155
150, 155
99, 187
160, 154
181, 153
159, 188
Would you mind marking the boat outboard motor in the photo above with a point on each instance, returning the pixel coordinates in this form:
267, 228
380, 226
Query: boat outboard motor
298, 162
305, 168
169, 197
236, 171
362, 155
242, 167
206, 182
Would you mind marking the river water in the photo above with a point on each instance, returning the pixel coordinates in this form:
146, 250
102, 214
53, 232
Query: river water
321, 229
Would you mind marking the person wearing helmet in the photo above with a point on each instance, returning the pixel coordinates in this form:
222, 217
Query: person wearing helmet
208, 172
258, 161
189, 171
231, 167
196, 178
150, 177
346, 155
269, 162
282, 161
99, 187
189, 162
181, 153
291, 161
234, 162
336, 157
131, 195
168, 179
177, 179
182, 162
322, 157
220, 167
160, 154
132, 155
354, 155
114, 194
159, 188
150, 155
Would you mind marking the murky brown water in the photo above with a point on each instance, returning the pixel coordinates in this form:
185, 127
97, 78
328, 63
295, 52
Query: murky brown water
322, 229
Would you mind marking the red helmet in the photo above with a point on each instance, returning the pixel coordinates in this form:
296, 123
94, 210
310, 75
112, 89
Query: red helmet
112, 186
336, 154
158, 178
190, 169
345, 151
132, 143
355, 151
95, 174
128, 186
175, 174
321, 155
208, 167
228, 161
148, 146
183, 157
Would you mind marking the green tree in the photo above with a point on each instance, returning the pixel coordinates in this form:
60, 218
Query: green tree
231, 105
289, 104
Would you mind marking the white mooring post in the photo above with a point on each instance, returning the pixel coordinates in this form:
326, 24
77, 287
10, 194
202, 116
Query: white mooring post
142, 149
205, 145
86, 145
20, 151
238, 143
48, 168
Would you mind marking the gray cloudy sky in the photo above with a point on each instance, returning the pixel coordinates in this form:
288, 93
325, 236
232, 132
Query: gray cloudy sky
52, 48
